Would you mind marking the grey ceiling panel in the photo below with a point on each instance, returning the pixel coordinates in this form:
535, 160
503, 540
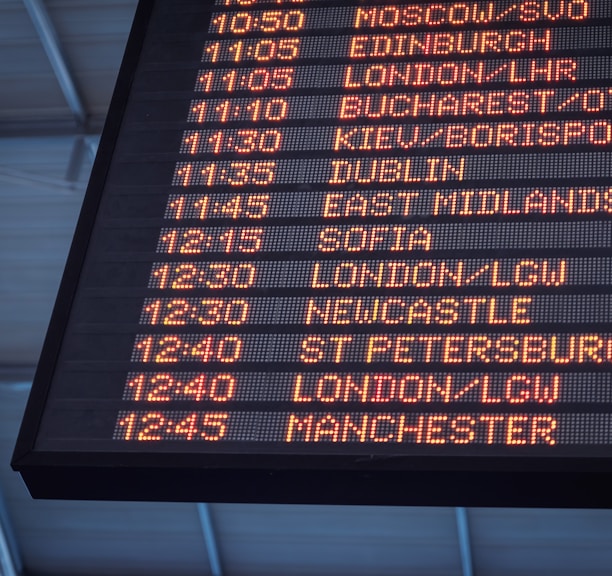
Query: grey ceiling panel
15, 26
79, 21
34, 98
38, 212
533, 542
106, 538
46, 157
337, 540
25, 61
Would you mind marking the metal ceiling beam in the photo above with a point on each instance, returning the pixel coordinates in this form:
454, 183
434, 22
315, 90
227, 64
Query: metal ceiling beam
465, 545
21, 177
77, 158
49, 126
10, 556
48, 36
17, 375
210, 539
8, 548
92, 146
82, 149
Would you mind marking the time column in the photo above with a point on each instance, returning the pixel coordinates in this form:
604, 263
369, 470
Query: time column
222, 193
243, 86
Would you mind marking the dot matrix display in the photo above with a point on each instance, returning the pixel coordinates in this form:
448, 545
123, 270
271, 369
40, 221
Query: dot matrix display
324, 233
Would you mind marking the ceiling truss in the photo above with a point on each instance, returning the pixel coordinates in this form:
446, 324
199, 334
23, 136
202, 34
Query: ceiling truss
48, 36
9, 558
465, 544
210, 539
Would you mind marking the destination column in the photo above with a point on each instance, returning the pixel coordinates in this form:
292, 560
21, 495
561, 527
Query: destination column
463, 121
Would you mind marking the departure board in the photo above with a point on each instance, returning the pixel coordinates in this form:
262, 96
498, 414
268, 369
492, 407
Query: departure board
345, 252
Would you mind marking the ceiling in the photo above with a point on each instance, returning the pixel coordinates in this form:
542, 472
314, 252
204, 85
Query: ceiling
58, 63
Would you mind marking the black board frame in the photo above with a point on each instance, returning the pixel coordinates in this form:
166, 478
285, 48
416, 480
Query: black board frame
516, 481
